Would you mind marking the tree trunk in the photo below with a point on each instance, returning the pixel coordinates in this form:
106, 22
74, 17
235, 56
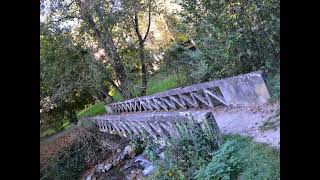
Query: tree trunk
141, 39
110, 49
144, 74
118, 67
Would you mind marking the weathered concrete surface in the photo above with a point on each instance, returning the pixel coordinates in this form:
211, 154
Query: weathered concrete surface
160, 125
246, 121
247, 89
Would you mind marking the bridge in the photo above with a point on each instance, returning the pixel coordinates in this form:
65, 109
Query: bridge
165, 114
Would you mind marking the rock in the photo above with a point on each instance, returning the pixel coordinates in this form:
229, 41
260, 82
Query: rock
107, 167
128, 150
89, 177
161, 155
100, 168
148, 170
147, 165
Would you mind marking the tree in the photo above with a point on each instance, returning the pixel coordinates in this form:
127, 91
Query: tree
68, 78
141, 47
235, 36
97, 18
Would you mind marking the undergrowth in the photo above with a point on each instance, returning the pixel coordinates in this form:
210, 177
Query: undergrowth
69, 156
272, 122
273, 82
238, 156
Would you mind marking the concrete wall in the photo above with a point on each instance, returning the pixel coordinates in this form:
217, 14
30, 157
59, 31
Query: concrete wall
159, 125
247, 89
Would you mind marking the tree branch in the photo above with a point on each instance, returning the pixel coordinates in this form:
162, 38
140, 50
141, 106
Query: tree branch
149, 23
136, 26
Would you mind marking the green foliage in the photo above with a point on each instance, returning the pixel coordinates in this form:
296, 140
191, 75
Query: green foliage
68, 78
70, 164
185, 63
192, 150
273, 82
185, 155
76, 156
240, 156
47, 132
150, 151
138, 144
235, 36
225, 164
53, 128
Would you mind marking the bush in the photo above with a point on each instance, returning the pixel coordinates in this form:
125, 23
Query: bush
240, 156
73, 154
234, 37
187, 64
224, 165
185, 155
273, 82
69, 165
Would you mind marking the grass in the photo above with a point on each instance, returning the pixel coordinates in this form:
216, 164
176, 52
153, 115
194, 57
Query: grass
94, 110
160, 83
50, 131
47, 132
157, 83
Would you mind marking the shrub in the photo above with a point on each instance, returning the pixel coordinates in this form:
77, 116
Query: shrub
69, 165
234, 37
224, 165
72, 154
240, 156
188, 65
273, 82
237, 156
185, 155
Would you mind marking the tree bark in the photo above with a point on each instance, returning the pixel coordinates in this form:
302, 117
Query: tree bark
144, 73
110, 49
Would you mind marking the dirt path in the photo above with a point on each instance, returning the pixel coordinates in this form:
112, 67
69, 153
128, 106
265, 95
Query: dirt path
51, 138
248, 122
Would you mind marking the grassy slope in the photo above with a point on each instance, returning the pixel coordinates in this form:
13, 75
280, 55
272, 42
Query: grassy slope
94, 110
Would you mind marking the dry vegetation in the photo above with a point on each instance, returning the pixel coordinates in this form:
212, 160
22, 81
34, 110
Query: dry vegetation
77, 150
